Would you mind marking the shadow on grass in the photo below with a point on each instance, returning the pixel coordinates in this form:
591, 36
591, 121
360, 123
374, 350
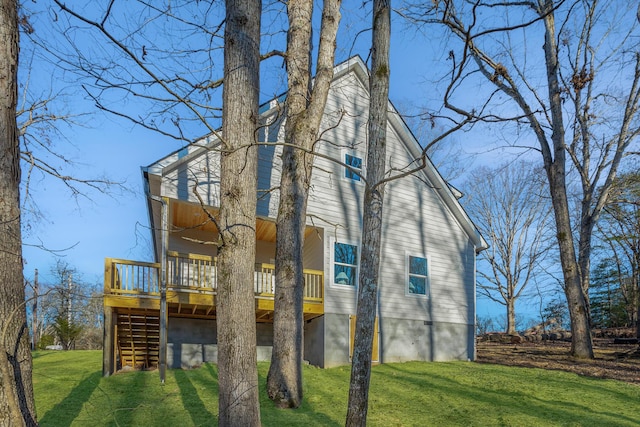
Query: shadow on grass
315, 410
133, 397
553, 398
191, 400
65, 412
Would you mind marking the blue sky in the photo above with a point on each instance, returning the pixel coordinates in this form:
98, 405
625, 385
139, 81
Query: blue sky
115, 224
98, 225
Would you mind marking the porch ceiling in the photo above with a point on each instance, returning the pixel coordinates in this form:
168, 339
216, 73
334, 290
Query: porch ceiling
192, 216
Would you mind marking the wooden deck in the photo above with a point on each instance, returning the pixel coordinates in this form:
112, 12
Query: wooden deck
192, 285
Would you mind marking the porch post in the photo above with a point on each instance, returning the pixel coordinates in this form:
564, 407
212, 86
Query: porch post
108, 332
162, 356
108, 343
163, 290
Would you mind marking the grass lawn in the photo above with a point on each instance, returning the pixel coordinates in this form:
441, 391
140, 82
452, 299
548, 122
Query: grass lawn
69, 390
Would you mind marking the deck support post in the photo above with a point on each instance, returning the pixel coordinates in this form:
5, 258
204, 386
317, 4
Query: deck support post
108, 343
163, 290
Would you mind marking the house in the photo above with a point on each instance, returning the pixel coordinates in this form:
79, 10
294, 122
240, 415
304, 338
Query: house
426, 307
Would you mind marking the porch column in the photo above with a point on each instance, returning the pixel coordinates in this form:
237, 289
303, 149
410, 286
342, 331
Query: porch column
163, 289
108, 343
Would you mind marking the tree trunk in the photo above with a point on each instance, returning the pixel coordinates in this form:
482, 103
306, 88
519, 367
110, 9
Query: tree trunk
237, 360
638, 315
587, 224
284, 381
17, 406
581, 342
511, 316
304, 110
34, 312
636, 273
372, 216
555, 166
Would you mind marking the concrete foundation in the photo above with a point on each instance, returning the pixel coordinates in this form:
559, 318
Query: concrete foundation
192, 342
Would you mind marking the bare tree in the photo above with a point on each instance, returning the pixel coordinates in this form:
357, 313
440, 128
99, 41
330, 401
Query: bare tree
620, 231
35, 326
372, 215
581, 125
66, 310
64, 302
449, 157
237, 359
44, 118
175, 80
17, 406
176, 76
304, 108
512, 213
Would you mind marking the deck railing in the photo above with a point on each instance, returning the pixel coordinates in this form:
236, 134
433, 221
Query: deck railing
131, 277
193, 273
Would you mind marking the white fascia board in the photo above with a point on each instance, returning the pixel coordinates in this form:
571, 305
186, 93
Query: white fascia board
182, 155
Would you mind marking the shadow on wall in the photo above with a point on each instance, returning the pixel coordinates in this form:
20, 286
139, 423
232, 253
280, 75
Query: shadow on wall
336, 345
266, 172
204, 172
191, 355
192, 342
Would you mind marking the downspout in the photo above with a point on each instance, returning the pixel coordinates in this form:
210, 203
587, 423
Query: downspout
162, 362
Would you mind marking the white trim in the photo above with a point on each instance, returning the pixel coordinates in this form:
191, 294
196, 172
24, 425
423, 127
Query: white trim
427, 290
332, 283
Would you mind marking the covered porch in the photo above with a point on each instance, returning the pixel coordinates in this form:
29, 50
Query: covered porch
191, 286
135, 300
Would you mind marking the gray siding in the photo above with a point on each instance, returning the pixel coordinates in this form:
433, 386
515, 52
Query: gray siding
313, 250
269, 167
203, 169
416, 221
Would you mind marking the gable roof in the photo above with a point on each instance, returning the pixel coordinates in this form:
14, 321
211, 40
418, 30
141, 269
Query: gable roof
448, 194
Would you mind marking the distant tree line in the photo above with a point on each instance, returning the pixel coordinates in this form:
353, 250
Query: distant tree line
504, 271
615, 288
65, 311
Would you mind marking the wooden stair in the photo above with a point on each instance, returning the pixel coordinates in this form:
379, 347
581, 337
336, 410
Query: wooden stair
138, 339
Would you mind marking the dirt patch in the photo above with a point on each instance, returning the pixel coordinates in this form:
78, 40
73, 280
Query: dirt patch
613, 361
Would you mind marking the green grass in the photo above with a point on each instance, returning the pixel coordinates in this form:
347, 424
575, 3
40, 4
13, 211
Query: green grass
69, 390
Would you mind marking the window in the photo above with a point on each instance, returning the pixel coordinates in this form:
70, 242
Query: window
356, 167
345, 264
418, 281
